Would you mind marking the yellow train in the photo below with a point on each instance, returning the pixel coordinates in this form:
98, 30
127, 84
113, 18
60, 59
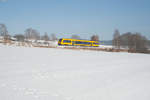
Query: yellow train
76, 42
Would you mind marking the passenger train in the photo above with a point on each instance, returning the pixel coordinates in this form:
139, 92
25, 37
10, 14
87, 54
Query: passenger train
77, 42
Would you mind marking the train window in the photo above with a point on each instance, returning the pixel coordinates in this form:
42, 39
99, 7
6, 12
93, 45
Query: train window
87, 43
80, 42
67, 41
60, 40
96, 43
77, 42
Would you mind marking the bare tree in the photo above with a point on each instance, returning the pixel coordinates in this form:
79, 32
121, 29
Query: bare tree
116, 39
134, 41
75, 37
53, 37
95, 38
3, 30
28, 33
32, 34
45, 37
20, 37
139, 43
125, 40
149, 44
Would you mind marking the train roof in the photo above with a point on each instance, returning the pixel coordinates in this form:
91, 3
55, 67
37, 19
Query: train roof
78, 39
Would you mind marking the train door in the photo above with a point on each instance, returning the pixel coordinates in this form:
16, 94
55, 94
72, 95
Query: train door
73, 42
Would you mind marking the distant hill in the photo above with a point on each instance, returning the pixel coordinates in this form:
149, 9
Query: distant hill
106, 42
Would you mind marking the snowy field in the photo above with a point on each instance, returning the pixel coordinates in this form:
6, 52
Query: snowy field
59, 74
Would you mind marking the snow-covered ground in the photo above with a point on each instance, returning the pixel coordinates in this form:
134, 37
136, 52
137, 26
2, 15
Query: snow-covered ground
59, 74
105, 46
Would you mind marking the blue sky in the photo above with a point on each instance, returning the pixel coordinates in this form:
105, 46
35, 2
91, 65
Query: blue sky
82, 17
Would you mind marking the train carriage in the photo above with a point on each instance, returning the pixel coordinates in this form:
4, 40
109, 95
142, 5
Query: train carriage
77, 42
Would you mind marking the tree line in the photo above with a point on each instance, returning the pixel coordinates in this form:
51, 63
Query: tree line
134, 42
33, 34
29, 34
